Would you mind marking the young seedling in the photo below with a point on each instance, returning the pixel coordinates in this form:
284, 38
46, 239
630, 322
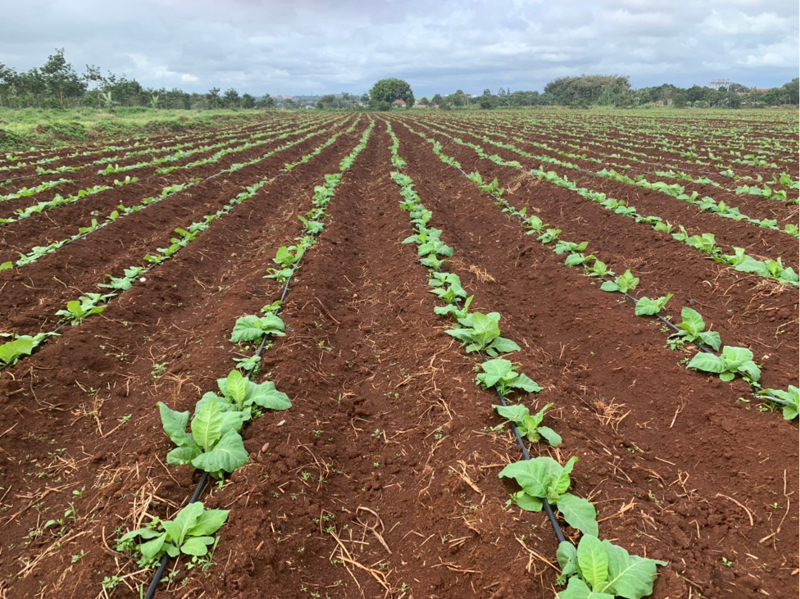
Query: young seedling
189, 533
544, 479
623, 284
481, 332
529, 426
252, 328
83, 307
601, 570
502, 374
692, 330
650, 307
732, 361
792, 398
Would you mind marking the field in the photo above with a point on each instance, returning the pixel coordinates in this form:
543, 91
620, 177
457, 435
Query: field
643, 268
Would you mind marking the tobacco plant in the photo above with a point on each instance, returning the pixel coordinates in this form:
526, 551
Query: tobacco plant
544, 479
189, 533
601, 570
692, 330
732, 361
530, 426
503, 375
481, 332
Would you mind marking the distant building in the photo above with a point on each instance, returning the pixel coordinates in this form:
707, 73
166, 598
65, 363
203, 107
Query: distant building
399, 103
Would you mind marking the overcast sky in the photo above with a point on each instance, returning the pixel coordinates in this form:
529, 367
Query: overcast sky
313, 46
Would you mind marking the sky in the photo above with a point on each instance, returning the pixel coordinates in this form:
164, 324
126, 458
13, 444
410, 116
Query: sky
316, 47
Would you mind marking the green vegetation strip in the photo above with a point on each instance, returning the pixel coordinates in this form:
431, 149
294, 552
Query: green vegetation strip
595, 568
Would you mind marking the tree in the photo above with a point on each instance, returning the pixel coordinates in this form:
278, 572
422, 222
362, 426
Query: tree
214, 101
487, 100
231, 99
423, 101
437, 100
386, 91
248, 101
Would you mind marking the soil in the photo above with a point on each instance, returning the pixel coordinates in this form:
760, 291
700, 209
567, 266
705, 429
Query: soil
381, 480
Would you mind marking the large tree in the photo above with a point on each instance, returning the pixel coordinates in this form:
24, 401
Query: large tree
386, 91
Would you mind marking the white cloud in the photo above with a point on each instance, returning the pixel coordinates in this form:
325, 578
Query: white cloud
309, 46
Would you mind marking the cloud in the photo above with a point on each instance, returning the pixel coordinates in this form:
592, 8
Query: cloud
312, 46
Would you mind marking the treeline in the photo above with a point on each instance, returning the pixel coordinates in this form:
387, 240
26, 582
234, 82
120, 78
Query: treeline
57, 84
615, 91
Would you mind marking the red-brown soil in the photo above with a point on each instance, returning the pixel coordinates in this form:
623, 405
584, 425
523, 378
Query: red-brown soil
381, 480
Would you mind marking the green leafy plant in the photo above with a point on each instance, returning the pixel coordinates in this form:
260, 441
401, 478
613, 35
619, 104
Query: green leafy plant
692, 330
623, 284
649, 307
601, 570
481, 332
240, 394
11, 351
792, 398
447, 287
189, 533
252, 328
213, 445
503, 375
544, 479
530, 426
731, 361
83, 307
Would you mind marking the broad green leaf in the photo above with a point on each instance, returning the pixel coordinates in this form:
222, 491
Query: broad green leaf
501, 345
184, 521
228, 455
577, 589
247, 328
522, 381
567, 556
197, 546
629, 576
527, 503
151, 549
532, 475
707, 363
710, 338
647, 307
735, 356
691, 321
207, 425
513, 412
553, 438
561, 480
592, 560
181, 456
174, 424
579, 513
11, 350
236, 386
267, 396
496, 370
209, 522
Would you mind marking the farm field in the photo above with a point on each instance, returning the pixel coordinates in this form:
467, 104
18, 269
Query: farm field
269, 358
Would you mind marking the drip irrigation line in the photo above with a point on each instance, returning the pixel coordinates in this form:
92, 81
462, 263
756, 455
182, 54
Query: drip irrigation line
527, 456
761, 390
204, 478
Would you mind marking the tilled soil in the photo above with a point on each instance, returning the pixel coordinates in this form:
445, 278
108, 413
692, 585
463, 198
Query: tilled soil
381, 480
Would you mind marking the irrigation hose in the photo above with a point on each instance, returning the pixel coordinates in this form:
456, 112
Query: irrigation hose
527, 456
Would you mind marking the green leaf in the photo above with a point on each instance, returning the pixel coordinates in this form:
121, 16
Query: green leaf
647, 307
236, 386
207, 425
691, 321
181, 456
577, 589
514, 412
526, 502
629, 576
733, 357
247, 328
152, 549
533, 475
502, 345
174, 424
567, 556
522, 381
10, 351
552, 437
197, 546
579, 513
592, 560
710, 338
209, 522
707, 363
228, 455
267, 396
183, 522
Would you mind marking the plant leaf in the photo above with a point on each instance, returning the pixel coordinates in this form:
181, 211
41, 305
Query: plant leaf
579, 513
592, 560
